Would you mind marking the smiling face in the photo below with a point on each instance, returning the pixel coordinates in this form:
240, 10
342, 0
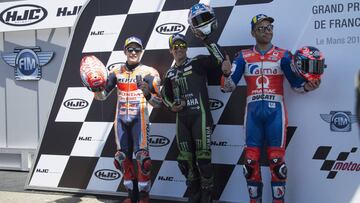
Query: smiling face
263, 32
178, 50
133, 53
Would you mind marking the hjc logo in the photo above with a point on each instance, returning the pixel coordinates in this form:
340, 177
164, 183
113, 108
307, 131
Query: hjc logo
215, 104
65, 11
22, 15
166, 178
221, 144
42, 170
107, 174
340, 121
76, 104
85, 138
170, 28
158, 141
97, 32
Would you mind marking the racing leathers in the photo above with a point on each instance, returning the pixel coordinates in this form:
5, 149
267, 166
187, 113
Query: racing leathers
131, 121
194, 123
265, 114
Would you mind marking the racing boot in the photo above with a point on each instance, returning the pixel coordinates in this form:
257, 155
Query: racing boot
133, 195
194, 191
206, 190
144, 197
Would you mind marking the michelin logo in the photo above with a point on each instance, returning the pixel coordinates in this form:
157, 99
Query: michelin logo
28, 62
340, 121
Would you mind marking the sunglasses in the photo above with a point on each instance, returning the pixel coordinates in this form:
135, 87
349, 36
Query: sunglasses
179, 46
262, 29
131, 49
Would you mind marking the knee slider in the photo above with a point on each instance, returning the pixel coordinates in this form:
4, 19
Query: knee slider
251, 167
277, 164
118, 160
143, 159
248, 168
279, 168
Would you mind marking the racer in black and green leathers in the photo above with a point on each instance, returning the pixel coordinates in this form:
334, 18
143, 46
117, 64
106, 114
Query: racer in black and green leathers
185, 92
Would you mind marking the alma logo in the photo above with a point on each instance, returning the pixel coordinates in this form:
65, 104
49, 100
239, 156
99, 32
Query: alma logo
170, 28
76, 103
22, 15
158, 141
107, 174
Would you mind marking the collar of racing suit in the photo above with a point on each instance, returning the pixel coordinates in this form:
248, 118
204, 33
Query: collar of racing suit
183, 63
131, 67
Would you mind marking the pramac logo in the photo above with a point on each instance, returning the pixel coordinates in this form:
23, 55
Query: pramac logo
22, 15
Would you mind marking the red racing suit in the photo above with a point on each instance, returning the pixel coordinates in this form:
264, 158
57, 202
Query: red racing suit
265, 114
132, 118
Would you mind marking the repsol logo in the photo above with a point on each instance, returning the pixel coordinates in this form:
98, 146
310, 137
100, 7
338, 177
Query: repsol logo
158, 141
215, 104
170, 28
76, 103
107, 174
39, 170
22, 15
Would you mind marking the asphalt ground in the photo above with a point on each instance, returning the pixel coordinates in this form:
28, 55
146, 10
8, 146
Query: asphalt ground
12, 191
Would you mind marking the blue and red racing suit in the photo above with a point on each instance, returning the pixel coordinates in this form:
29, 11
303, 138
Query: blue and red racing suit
132, 118
265, 114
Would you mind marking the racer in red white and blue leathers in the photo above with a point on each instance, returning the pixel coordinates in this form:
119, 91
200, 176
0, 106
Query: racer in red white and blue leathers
264, 67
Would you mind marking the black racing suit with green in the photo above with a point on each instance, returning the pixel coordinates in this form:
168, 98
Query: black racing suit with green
187, 83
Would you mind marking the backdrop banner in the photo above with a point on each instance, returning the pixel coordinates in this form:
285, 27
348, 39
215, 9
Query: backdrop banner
323, 155
38, 14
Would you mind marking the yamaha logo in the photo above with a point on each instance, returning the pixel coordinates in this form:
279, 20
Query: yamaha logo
107, 174
22, 15
76, 104
215, 104
158, 141
170, 28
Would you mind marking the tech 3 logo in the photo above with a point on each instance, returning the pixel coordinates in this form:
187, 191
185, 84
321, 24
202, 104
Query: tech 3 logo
28, 62
339, 164
340, 121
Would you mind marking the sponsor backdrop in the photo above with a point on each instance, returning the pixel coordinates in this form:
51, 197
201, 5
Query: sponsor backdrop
38, 14
323, 139
32, 47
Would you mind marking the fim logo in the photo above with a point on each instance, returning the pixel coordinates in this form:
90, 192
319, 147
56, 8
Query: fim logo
28, 62
340, 121
339, 164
